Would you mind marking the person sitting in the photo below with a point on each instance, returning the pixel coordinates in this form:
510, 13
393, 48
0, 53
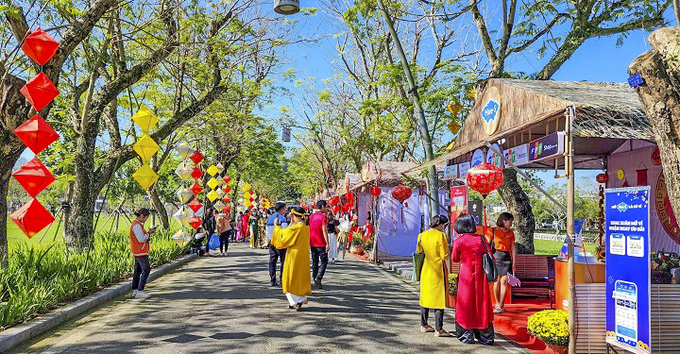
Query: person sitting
197, 244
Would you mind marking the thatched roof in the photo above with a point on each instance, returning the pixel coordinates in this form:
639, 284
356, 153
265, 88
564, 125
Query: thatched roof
529, 109
389, 173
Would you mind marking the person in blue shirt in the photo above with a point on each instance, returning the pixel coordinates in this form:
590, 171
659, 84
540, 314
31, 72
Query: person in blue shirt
275, 220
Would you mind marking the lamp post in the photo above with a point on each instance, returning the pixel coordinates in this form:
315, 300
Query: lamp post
287, 7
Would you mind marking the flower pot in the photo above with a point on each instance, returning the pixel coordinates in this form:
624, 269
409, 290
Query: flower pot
556, 349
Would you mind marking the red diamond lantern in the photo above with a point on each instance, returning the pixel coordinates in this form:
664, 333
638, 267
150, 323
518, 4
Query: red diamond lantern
376, 191
31, 218
40, 46
195, 205
227, 179
226, 189
34, 177
485, 178
226, 200
226, 209
40, 91
36, 133
251, 199
196, 188
196, 157
401, 193
196, 173
195, 222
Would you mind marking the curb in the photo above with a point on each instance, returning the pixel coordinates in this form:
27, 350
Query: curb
18, 334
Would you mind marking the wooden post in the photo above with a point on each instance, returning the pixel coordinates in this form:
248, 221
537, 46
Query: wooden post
569, 170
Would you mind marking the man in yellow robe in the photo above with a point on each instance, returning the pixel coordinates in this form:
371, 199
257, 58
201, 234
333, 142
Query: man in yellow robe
296, 280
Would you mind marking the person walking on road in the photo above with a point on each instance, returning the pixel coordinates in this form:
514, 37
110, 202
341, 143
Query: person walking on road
434, 245
332, 237
318, 234
276, 220
223, 229
139, 245
295, 280
474, 317
504, 254
276, 252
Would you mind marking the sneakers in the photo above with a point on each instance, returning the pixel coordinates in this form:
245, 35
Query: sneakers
498, 309
141, 294
318, 283
134, 293
426, 329
442, 333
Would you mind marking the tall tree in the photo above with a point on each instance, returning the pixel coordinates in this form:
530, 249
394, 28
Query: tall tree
532, 26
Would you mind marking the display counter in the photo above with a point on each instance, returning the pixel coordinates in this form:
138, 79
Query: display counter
584, 273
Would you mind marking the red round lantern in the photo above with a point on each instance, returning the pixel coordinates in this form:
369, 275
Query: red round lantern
376, 191
602, 178
485, 178
401, 193
349, 197
335, 201
656, 156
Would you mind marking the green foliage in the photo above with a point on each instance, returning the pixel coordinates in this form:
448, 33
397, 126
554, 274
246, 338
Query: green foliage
41, 278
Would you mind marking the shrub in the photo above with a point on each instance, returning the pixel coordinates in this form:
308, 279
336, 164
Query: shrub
39, 279
550, 326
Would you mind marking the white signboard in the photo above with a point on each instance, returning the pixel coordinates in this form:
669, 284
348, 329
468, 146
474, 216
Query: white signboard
518, 155
463, 169
494, 158
478, 157
450, 172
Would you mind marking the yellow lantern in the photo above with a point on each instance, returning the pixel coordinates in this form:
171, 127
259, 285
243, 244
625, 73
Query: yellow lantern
145, 176
213, 183
247, 203
146, 147
247, 195
212, 170
246, 187
145, 119
212, 196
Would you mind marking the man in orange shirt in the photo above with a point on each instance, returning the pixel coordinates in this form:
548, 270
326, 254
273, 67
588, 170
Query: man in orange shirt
139, 245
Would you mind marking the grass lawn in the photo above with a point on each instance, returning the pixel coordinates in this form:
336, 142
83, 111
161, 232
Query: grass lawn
16, 237
553, 247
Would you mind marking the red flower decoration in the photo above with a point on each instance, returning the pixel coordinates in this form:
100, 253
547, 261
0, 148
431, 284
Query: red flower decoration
196, 157
34, 177
401, 193
376, 191
196, 188
31, 218
196, 173
195, 205
227, 179
40, 91
195, 222
485, 178
40, 46
36, 133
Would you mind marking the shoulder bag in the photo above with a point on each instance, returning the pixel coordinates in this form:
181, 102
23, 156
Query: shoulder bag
488, 264
418, 261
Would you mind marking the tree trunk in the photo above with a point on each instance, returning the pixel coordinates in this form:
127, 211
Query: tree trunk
520, 206
660, 97
160, 208
5, 174
79, 228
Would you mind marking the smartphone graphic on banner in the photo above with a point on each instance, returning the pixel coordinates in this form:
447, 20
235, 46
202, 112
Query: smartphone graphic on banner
626, 296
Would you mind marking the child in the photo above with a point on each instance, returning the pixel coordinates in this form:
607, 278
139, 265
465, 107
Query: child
197, 244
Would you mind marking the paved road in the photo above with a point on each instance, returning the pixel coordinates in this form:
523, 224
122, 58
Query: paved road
226, 305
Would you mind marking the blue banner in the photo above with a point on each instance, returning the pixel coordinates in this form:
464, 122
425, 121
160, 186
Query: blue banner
628, 268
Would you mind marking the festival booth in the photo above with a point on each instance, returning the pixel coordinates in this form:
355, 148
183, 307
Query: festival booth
396, 223
530, 124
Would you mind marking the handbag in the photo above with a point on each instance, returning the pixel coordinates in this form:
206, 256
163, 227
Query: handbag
488, 264
214, 242
418, 261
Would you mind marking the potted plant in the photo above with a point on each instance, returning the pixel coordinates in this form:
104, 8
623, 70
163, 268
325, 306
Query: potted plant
552, 327
357, 242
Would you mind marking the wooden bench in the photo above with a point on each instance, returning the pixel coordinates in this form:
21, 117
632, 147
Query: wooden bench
537, 273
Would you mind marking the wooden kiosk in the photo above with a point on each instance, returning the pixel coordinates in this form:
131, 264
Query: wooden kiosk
564, 126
